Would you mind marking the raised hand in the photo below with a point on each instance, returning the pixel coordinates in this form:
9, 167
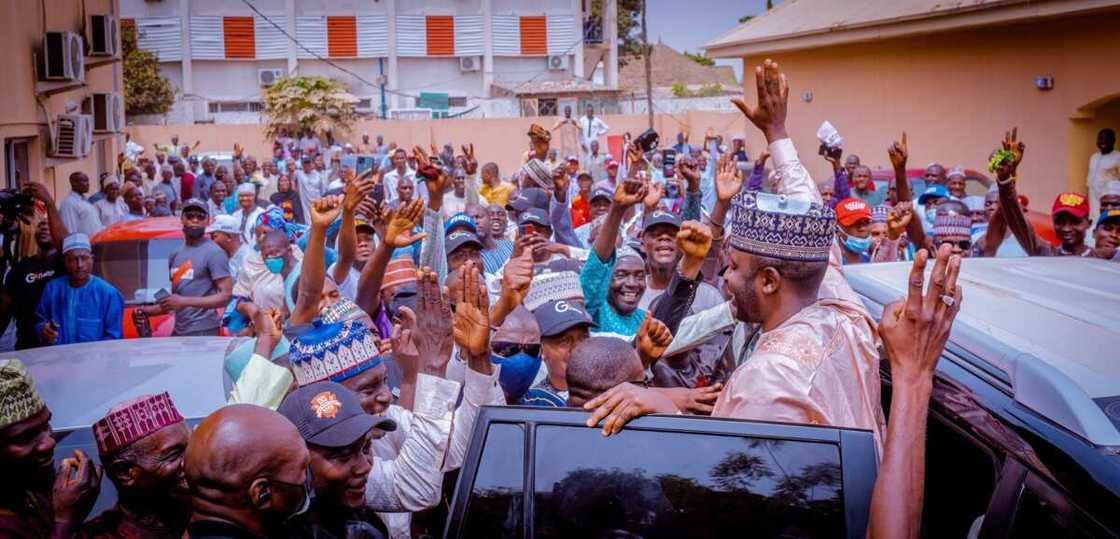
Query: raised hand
898, 218
528, 243
325, 210
76, 486
356, 191
898, 153
690, 171
432, 334
39, 192
421, 156
517, 276
914, 330
694, 239
652, 339
621, 403
655, 193
560, 182
470, 165
1009, 155
762, 157
472, 318
629, 192
269, 323
773, 99
635, 159
728, 180
403, 344
402, 222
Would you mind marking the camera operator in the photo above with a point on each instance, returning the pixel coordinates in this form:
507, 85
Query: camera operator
32, 238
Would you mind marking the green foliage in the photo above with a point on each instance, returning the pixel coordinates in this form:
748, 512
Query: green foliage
145, 90
707, 90
630, 44
316, 104
999, 157
700, 59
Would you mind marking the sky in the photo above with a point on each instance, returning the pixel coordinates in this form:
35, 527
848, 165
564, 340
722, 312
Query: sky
687, 24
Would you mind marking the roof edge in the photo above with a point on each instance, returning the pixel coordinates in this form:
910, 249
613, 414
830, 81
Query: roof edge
1003, 13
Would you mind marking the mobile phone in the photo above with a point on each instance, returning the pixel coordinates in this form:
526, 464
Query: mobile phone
378, 193
528, 229
161, 293
632, 186
668, 162
364, 163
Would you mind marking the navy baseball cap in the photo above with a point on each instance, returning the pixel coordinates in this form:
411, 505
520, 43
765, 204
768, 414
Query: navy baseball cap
194, 203
601, 192
535, 216
660, 217
934, 191
460, 238
558, 316
529, 197
328, 414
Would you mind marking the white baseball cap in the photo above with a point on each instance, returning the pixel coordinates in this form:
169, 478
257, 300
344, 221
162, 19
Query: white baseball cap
224, 223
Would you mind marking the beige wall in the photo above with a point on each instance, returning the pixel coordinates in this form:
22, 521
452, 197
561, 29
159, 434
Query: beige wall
955, 94
502, 140
21, 32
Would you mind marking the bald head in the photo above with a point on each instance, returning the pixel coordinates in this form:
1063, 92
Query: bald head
598, 364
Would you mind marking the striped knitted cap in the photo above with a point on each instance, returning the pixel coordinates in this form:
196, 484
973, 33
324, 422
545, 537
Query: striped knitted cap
134, 419
19, 399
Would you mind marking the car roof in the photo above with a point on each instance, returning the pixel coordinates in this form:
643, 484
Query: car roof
141, 229
1048, 326
81, 382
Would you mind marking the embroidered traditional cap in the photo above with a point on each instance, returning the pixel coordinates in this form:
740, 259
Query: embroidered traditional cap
334, 352
879, 214
74, 241
328, 414
132, 420
19, 399
1074, 204
951, 226
343, 310
553, 286
400, 270
538, 132
779, 227
974, 202
539, 172
956, 171
246, 188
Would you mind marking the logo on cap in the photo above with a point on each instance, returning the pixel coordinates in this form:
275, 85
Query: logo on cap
325, 405
1071, 199
854, 205
562, 306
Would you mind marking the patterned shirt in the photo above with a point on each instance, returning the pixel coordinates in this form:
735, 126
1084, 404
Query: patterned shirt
595, 279
494, 259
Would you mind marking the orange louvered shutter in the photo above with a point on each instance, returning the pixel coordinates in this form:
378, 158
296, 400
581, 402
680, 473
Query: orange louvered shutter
441, 36
342, 37
534, 35
240, 38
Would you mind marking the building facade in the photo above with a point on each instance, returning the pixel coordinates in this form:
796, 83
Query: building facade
219, 54
45, 93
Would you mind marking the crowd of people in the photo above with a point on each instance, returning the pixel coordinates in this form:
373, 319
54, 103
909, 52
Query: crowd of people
381, 305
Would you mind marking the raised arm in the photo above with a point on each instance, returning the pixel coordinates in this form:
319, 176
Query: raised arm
899, 152
355, 191
398, 233
628, 193
39, 192
1010, 155
694, 240
313, 269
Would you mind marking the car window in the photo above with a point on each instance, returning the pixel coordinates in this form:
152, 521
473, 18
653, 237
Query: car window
1045, 512
138, 268
495, 508
668, 484
954, 459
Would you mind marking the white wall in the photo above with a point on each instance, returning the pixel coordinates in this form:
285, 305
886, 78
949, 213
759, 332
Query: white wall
231, 80
439, 7
530, 7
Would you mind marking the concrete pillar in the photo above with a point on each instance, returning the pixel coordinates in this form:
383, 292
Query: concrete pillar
577, 58
610, 34
394, 81
290, 23
487, 48
185, 46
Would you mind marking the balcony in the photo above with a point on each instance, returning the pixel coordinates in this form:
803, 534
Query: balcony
593, 31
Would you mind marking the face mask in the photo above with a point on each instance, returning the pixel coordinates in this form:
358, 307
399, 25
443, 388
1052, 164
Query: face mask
979, 228
193, 232
308, 494
518, 372
275, 264
857, 245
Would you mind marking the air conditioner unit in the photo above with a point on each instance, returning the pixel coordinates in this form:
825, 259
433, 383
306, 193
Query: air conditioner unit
107, 111
470, 63
63, 56
268, 77
558, 62
73, 136
102, 35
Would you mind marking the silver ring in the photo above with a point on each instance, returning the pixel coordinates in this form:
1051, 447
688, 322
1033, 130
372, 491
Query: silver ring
948, 300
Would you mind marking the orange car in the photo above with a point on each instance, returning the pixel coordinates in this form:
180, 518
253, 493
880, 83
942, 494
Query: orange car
133, 257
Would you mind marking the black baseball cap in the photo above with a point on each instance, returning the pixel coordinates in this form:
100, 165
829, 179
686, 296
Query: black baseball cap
660, 217
330, 415
529, 197
460, 238
601, 192
535, 216
557, 316
196, 204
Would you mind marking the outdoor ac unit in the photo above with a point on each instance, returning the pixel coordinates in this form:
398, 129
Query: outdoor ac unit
74, 136
63, 56
107, 111
558, 62
469, 63
102, 35
268, 77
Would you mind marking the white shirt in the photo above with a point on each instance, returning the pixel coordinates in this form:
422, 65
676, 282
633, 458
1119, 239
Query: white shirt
79, 215
591, 129
311, 187
110, 212
248, 225
1102, 169
392, 178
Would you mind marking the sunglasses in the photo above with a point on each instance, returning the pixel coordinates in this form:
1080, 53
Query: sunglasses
510, 349
964, 245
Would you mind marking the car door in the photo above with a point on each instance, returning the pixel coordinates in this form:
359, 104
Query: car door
541, 473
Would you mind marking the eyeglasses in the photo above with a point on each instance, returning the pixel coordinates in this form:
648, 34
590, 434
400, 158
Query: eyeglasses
964, 245
510, 349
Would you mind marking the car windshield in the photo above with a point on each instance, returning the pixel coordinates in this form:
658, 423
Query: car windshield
138, 268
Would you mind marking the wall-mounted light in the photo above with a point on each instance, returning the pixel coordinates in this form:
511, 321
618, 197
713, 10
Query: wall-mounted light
807, 96
1044, 82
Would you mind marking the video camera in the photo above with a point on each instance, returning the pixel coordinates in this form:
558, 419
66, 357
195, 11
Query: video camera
13, 203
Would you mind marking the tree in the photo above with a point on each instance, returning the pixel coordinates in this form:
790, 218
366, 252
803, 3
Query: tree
700, 59
145, 90
315, 104
629, 27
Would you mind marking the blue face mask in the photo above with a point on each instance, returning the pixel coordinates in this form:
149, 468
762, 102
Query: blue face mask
931, 215
979, 228
857, 245
275, 264
518, 372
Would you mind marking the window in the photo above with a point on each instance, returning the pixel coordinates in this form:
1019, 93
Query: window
495, 503
16, 162
1045, 512
954, 459
235, 106
138, 268
674, 485
546, 106
454, 101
